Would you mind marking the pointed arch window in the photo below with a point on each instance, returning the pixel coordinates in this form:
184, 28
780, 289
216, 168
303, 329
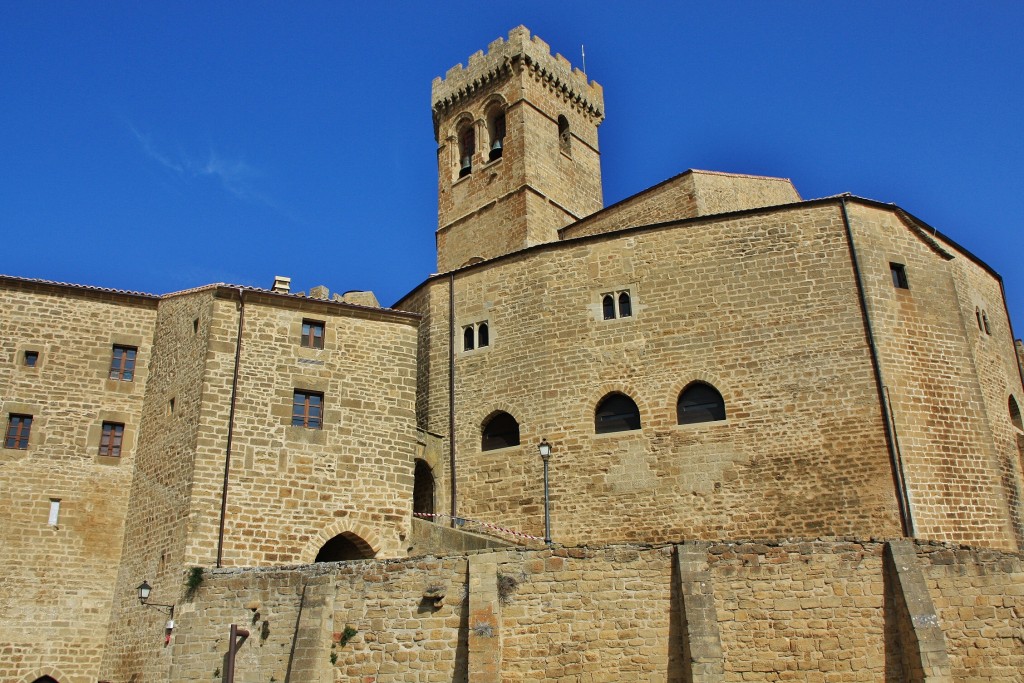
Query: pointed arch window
699, 402
499, 431
616, 413
1015, 414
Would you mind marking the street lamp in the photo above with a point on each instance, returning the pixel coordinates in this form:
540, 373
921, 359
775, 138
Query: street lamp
144, 590
544, 448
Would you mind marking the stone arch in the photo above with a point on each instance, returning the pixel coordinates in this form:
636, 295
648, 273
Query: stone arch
360, 535
700, 402
499, 426
1015, 417
720, 384
602, 391
46, 674
494, 118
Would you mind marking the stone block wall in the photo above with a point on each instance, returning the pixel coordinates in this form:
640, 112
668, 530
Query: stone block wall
802, 450
824, 610
55, 580
948, 380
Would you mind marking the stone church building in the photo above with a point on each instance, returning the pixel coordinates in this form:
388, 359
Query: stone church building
786, 441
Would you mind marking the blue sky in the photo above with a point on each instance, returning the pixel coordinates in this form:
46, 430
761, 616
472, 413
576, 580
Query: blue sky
159, 146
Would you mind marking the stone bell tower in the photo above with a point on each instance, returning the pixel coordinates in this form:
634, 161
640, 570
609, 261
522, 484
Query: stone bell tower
517, 154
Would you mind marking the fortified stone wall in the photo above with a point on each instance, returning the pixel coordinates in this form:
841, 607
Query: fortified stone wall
948, 380
687, 195
802, 450
56, 579
826, 610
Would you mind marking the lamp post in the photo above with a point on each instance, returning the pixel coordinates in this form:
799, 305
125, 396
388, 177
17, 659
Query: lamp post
544, 448
144, 590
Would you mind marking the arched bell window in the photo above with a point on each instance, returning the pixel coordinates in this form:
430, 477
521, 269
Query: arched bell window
564, 135
467, 146
496, 132
499, 431
699, 402
616, 413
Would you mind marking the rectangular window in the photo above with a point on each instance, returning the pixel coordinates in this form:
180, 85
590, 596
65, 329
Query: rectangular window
18, 427
122, 363
110, 441
54, 511
308, 409
31, 358
899, 276
312, 334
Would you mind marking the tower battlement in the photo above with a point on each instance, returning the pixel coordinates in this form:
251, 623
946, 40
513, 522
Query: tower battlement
461, 83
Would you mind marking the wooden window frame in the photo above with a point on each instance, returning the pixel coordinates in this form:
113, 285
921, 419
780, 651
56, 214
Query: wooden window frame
123, 369
111, 439
302, 409
309, 338
19, 429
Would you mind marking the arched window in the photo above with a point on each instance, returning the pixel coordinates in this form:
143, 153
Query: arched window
1015, 414
468, 339
699, 402
564, 135
423, 489
467, 145
500, 431
345, 546
608, 306
496, 130
616, 413
482, 335
625, 307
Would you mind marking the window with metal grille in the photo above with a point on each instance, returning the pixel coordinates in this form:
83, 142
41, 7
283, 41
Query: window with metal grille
308, 409
313, 334
111, 438
616, 413
122, 363
18, 428
699, 402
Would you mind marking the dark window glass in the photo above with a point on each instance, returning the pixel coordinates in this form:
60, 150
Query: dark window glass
18, 428
31, 358
625, 308
110, 440
616, 413
700, 403
312, 334
899, 275
608, 306
467, 339
122, 363
501, 431
307, 409
482, 335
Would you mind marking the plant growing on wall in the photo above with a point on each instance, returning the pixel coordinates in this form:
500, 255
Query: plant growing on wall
348, 634
193, 581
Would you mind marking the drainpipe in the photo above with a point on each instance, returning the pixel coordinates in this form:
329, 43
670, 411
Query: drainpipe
451, 392
231, 427
888, 419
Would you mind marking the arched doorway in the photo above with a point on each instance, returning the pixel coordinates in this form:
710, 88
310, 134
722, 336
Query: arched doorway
423, 489
344, 546
45, 679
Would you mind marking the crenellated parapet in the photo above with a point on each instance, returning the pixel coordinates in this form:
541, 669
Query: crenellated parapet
502, 56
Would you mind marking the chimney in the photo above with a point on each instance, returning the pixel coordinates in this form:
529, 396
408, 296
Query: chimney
282, 284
